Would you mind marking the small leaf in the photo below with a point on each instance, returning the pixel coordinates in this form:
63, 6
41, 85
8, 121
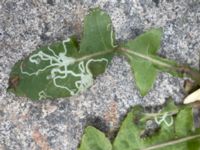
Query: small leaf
61, 69
94, 139
144, 70
176, 131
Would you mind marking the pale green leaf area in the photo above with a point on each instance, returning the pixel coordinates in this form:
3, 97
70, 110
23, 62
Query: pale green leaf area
61, 69
175, 131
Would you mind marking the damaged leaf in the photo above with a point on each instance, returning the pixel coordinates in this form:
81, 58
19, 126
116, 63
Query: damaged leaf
169, 129
62, 69
176, 130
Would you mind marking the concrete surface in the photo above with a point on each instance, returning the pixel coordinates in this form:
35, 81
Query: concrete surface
59, 124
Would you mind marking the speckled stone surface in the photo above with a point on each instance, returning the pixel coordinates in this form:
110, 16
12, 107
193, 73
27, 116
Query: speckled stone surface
59, 124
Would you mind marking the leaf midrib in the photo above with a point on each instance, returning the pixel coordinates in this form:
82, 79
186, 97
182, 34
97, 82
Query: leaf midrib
94, 55
147, 57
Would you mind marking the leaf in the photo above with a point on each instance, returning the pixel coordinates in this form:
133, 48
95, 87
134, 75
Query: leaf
61, 69
176, 131
145, 64
98, 38
98, 33
144, 71
94, 139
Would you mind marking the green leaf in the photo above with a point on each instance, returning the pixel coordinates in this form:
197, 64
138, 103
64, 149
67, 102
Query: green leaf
144, 71
98, 33
61, 69
98, 38
145, 63
176, 131
94, 139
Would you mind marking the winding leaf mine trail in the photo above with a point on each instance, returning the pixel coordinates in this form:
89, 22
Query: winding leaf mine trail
57, 62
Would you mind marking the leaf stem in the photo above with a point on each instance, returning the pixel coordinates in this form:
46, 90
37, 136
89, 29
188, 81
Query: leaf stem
147, 57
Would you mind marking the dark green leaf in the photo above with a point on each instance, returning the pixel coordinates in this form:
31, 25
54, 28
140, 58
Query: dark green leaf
61, 69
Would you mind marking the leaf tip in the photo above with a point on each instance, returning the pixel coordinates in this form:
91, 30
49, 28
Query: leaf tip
143, 90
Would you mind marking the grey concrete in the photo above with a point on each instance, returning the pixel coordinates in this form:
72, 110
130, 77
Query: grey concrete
59, 124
